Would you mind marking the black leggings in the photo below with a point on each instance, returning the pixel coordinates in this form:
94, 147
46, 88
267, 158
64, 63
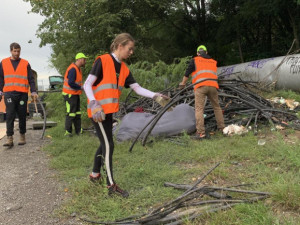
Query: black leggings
105, 151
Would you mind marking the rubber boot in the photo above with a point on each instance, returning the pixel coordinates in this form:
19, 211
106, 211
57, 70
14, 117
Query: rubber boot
9, 142
22, 140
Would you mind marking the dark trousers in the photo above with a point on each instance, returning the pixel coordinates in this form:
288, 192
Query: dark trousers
73, 114
16, 104
105, 151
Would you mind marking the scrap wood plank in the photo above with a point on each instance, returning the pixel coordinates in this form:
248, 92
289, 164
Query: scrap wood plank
40, 124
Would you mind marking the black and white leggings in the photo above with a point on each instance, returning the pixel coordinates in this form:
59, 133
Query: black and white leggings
105, 151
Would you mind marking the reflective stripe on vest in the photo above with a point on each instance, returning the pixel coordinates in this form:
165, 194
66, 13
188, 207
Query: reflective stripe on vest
108, 91
107, 101
205, 69
104, 87
15, 79
66, 87
16, 84
16, 76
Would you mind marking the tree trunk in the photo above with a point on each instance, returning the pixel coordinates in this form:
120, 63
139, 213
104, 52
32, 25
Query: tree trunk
203, 17
269, 34
295, 27
239, 46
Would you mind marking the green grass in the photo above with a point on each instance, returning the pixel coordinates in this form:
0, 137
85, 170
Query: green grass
273, 167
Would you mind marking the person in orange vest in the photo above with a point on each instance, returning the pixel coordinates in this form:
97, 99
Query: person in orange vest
103, 87
71, 91
204, 67
15, 79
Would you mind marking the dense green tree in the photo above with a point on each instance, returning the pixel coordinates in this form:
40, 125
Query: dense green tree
233, 30
255, 29
164, 29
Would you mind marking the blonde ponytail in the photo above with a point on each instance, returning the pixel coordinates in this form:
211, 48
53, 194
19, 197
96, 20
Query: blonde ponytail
122, 39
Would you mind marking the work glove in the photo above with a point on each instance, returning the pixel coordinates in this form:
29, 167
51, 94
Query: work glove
1, 94
161, 99
97, 111
181, 86
34, 96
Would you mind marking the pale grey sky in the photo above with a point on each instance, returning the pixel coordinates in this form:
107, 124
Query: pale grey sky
20, 26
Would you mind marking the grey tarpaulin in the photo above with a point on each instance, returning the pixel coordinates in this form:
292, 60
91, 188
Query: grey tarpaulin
182, 118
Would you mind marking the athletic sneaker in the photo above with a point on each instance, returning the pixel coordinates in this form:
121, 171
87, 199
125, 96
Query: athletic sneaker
67, 134
115, 189
95, 178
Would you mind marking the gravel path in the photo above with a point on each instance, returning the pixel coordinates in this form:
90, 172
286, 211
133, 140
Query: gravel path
29, 190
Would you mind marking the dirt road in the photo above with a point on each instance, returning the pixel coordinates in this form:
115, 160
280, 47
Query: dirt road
29, 190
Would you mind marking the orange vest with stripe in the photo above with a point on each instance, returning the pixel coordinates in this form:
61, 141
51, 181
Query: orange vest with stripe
66, 87
15, 80
205, 68
108, 91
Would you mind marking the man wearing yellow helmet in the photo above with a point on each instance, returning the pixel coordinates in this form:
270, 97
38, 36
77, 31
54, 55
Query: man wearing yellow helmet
203, 67
72, 89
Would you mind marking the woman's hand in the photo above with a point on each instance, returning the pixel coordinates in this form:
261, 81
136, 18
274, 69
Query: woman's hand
97, 111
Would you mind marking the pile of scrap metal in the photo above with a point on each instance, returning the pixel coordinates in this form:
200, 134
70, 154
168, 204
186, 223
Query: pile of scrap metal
241, 106
193, 203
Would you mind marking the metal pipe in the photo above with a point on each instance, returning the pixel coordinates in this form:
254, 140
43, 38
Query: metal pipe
45, 118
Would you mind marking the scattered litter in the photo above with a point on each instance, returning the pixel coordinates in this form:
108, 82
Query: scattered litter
13, 208
234, 129
290, 103
279, 127
261, 142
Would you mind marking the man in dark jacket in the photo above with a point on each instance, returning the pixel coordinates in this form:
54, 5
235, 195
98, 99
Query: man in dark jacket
15, 79
72, 90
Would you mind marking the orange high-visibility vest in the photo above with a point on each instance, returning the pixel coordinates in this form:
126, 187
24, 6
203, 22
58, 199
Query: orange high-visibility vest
108, 91
205, 68
15, 80
66, 88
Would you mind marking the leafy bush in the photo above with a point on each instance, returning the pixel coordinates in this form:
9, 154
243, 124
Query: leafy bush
158, 76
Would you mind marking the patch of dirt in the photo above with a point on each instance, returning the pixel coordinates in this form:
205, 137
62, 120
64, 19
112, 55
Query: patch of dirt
29, 189
289, 136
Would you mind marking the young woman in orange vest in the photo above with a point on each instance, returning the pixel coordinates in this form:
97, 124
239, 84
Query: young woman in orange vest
15, 79
202, 67
103, 87
71, 91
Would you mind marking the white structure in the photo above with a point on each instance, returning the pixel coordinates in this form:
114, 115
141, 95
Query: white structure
284, 71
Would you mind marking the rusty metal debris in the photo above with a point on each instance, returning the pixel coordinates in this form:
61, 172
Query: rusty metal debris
240, 105
193, 203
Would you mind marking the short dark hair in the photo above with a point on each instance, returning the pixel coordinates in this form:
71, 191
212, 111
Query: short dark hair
14, 45
201, 52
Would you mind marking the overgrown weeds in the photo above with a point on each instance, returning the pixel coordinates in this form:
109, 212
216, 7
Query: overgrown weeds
273, 167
